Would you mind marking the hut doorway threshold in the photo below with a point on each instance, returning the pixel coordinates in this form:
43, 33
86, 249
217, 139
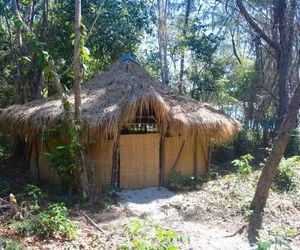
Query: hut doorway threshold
139, 160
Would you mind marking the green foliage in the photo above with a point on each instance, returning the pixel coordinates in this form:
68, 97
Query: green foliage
142, 235
36, 193
222, 154
48, 223
118, 30
63, 157
243, 164
293, 148
6, 147
275, 239
285, 179
239, 79
206, 71
180, 182
245, 143
10, 244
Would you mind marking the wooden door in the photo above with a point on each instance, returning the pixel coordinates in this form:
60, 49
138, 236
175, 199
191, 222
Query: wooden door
139, 160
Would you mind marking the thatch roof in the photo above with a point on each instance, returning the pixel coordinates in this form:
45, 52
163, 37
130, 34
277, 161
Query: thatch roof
113, 99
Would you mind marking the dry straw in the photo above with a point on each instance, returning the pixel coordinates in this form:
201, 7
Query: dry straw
114, 98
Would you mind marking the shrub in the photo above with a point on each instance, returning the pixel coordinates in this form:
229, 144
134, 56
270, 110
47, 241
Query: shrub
222, 154
11, 245
35, 192
245, 142
293, 147
275, 239
243, 164
63, 157
285, 177
143, 235
48, 223
180, 182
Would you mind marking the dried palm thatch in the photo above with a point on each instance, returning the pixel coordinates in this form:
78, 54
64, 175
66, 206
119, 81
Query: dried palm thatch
114, 98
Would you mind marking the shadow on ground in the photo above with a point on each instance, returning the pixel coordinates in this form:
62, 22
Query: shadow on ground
254, 226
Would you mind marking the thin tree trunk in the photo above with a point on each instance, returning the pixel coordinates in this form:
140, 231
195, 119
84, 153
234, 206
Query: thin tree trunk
77, 94
19, 65
59, 87
39, 68
77, 73
269, 170
186, 22
285, 25
162, 35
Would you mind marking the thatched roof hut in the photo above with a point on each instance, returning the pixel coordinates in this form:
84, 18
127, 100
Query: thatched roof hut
126, 98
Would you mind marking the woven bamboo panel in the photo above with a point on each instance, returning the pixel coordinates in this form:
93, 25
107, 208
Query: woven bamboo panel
186, 160
139, 160
46, 171
101, 155
201, 156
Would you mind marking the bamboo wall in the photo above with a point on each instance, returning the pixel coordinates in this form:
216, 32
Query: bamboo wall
100, 155
139, 160
38, 161
181, 156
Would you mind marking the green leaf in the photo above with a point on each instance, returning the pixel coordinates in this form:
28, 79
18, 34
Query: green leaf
86, 53
26, 58
46, 55
292, 232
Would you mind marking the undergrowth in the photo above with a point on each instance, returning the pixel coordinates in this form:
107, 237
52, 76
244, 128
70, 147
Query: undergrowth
10, 244
276, 238
286, 178
141, 234
243, 164
44, 221
180, 182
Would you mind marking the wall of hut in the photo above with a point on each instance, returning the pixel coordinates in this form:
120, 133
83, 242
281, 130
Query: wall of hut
139, 159
38, 163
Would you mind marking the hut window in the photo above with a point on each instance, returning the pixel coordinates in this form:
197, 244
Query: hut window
141, 125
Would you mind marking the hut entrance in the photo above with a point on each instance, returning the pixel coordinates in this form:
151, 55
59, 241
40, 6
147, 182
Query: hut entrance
139, 152
139, 160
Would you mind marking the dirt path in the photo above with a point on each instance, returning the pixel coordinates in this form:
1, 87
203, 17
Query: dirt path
170, 211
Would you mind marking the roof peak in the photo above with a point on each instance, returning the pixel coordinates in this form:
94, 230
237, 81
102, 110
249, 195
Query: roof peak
127, 57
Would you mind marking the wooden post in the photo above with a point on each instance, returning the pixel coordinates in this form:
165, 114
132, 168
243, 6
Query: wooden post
209, 157
162, 160
196, 157
115, 176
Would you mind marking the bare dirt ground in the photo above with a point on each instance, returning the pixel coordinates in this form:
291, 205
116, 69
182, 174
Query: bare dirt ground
213, 217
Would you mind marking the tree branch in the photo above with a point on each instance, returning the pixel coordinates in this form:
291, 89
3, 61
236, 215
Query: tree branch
255, 26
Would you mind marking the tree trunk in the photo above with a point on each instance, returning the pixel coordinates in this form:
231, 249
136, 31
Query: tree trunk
269, 170
285, 25
186, 22
284, 20
77, 94
162, 14
77, 73
18, 80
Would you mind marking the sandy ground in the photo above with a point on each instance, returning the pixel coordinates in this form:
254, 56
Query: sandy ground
171, 211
